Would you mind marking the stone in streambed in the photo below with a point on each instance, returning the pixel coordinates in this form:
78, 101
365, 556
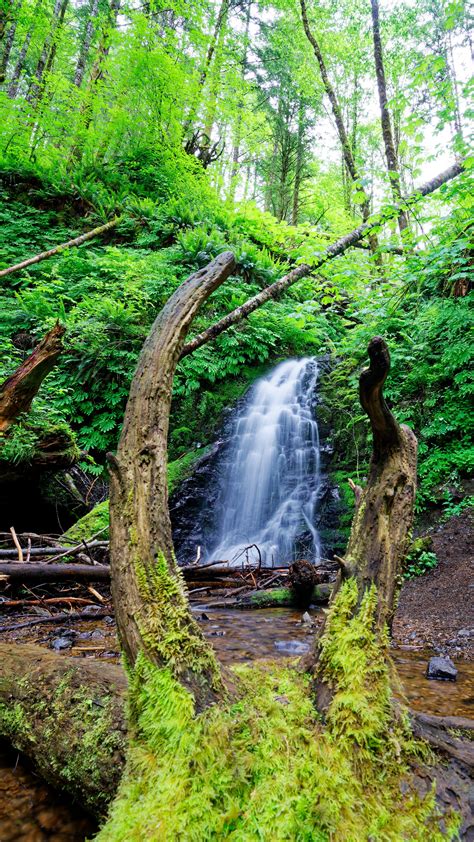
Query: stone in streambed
60, 643
441, 669
291, 647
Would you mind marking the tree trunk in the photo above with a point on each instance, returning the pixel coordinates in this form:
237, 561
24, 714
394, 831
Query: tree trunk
240, 109
17, 70
147, 587
17, 392
7, 50
383, 519
295, 211
341, 129
34, 92
69, 717
86, 44
390, 151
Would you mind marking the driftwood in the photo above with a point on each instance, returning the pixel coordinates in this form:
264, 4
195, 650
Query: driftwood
41, 572
383, 518
143, 564
17, 392
77, 241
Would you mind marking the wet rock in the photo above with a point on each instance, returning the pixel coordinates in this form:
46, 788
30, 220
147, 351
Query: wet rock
92, 609
109, 620
466, 633
291, 647
306, 619
60, 643
97, 634
441, 669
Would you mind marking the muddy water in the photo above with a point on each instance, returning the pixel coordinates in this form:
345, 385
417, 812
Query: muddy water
279, 632
32, 812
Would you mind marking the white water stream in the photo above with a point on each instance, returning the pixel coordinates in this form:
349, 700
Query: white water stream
270, 491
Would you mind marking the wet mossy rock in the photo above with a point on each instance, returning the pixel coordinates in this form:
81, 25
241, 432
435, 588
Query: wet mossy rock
97, 520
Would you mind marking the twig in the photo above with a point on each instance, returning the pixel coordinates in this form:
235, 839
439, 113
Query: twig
57, 618
17, 543
28, 552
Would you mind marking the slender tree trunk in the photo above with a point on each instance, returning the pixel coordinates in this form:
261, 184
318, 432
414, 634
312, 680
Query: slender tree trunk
298, 165
77, 241
151, 607
17, 392
96, 75
341, 129
18, 69
219, 25
8, 48
240, 109
86, 44
36, 85
390, 150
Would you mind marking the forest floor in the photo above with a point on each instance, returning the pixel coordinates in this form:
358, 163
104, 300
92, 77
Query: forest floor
436, 610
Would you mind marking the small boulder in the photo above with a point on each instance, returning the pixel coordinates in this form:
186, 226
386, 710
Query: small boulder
441, 669
60, 643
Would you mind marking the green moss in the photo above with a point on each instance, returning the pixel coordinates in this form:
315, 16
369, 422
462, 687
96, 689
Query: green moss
263, 766
75, 733
180, 469
167, 628
97, 520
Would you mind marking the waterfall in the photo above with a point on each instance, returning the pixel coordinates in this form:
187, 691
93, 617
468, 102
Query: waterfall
271, 477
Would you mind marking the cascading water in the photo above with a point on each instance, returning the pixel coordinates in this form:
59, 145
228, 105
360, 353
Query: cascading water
270, 486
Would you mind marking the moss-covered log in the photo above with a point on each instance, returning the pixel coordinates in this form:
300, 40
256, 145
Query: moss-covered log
68, 716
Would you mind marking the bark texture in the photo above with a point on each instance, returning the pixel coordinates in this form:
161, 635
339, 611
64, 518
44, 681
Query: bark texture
69, 717
18, 391
152, 613
382, 523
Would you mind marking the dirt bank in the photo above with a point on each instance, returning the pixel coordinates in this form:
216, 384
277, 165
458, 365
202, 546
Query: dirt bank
436, 611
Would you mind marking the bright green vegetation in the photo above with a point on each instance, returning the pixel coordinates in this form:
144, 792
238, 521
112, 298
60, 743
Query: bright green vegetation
262, 766
97, 114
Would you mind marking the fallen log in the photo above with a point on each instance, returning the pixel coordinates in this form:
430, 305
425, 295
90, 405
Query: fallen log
17, 392
68, 716
57, 618
44, 572
275, 290
77, 241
